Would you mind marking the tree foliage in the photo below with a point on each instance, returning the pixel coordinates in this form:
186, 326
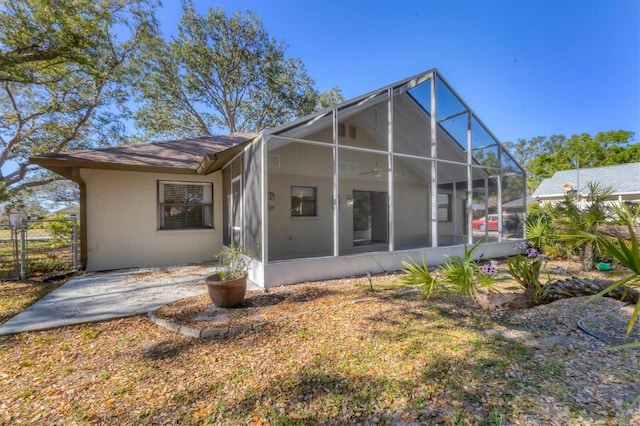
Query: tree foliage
69, 71
44, 32
221, 72
62, 71
543, 156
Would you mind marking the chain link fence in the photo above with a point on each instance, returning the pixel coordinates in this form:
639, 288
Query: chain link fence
38, 248
9, 265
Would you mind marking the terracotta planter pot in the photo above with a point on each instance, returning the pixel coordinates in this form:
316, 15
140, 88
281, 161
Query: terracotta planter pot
226, 294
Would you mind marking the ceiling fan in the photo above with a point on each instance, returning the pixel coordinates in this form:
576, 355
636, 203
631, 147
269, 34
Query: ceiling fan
376, 172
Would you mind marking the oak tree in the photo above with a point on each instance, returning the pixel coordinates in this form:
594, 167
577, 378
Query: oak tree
543, 156
62, 75
221, 73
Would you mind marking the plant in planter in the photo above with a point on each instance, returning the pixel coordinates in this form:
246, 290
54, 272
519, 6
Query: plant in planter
228, 286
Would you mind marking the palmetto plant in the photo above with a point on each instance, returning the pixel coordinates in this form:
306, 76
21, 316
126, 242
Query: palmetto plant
461, 275
464, 275
419, 274
627, 253
578, 222
539, 232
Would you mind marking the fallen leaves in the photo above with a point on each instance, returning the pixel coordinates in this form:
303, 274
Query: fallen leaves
15, 296
332, 353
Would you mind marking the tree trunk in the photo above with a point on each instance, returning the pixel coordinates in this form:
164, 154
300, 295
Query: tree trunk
563, 289
576, 287
619, 231
587, 257
498, 301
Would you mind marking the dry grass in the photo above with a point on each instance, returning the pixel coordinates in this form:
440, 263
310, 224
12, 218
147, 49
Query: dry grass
330, 353
16, 296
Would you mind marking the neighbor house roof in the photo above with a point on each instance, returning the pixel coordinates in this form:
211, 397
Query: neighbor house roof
624, 180
190, 156
69, 210
517, 204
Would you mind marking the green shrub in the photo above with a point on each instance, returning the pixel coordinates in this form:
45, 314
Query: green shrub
539, 232
525, 269
61, 230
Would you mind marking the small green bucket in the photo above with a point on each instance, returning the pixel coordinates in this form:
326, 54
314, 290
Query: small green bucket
604, 266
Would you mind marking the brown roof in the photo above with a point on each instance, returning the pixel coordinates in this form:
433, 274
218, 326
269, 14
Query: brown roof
177, 156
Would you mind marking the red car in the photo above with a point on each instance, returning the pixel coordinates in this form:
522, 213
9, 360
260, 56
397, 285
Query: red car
510, 222
481, 224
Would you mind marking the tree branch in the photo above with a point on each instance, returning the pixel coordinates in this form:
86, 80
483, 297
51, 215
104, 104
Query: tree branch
33, 184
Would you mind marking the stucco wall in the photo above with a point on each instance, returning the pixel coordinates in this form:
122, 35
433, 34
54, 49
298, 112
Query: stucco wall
122, 228
300, 236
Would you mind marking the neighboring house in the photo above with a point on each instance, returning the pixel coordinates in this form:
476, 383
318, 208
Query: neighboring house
515, 206
13, 216
72, 210
623, 179
356, 188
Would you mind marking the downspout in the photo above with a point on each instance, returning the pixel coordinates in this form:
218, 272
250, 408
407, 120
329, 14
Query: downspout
75, 176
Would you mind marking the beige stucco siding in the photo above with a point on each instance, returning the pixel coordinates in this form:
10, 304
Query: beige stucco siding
300, 236
122, 228
411, 214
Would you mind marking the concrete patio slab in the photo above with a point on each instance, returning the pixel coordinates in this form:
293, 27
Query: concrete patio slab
100, 296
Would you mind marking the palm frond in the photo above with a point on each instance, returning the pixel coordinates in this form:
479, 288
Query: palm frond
419, 274
628, 255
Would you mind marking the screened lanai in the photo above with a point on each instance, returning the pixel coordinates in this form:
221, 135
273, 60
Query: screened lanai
407, 167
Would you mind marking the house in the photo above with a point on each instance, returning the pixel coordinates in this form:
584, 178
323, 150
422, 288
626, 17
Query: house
355, 188
623, 179
70, 210
12, 215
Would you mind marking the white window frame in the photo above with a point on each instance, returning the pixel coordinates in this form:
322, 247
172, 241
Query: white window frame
301, 190
206, 205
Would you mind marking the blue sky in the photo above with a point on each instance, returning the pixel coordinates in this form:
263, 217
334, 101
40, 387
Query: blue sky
527, 67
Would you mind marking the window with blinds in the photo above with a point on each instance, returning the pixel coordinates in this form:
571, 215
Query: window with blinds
185, 205
303, 201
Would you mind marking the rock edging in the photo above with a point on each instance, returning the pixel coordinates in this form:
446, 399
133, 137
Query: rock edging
225, 331
200, 334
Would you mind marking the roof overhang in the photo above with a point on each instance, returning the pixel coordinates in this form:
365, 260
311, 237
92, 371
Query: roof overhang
213, 162
65, 167
195, 158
